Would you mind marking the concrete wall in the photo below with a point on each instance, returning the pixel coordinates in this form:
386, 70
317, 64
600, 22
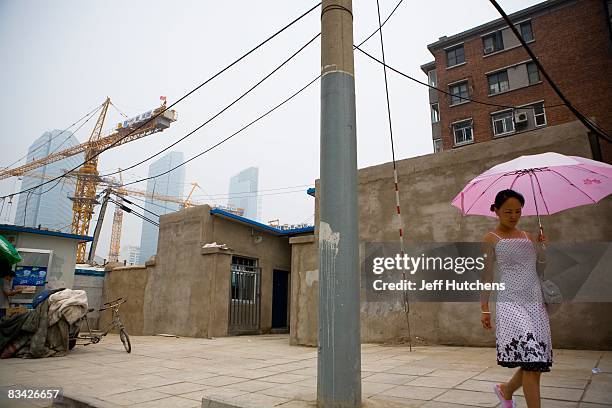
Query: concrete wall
93, 286
304, 291
428, 184
130, 283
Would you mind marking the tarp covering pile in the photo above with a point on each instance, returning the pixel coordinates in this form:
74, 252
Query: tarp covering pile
43, 332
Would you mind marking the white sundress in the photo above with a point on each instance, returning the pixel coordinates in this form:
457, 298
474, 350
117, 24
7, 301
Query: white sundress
522, 328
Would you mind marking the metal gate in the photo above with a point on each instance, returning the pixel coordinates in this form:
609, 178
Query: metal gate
245, 296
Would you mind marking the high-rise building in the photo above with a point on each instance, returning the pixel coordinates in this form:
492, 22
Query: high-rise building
48, 206
130, 254
243, 192
573, 42
170, 184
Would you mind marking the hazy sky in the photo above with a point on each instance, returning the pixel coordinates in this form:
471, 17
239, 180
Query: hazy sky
60, 59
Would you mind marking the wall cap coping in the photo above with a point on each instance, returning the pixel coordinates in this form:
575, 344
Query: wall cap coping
304, 239
212, 251
125, 268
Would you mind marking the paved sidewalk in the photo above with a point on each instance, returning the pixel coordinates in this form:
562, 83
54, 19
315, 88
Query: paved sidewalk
264, 371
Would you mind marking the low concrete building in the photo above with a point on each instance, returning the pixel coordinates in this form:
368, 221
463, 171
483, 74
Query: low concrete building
60, 247
214, 274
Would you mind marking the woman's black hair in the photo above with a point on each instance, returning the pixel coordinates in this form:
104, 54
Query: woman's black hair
503, 196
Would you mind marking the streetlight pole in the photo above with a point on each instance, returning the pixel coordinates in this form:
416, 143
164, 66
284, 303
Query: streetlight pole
339, 354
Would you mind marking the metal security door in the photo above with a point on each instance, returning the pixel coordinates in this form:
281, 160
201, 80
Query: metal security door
245, 296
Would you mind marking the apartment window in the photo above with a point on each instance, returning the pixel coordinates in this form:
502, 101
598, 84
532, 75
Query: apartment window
532, 72
503, 123
435, 112
455, 56
498, 82
493, 42
437, 144
459, 92
433, 77
525, 30
462, 132
539, 115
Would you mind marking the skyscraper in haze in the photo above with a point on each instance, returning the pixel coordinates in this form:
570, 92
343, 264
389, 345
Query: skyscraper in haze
50, 209
170, 184
243, 192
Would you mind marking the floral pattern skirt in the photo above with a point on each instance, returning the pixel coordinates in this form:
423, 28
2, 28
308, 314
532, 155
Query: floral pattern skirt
522, 332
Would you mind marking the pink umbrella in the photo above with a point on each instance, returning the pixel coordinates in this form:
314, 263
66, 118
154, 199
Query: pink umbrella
550, 182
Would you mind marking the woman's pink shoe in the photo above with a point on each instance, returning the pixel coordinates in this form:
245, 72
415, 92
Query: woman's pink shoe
500, 394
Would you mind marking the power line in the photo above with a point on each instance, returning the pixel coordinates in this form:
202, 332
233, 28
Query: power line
255, 191
59, 134
262, 195
181, 98
396, 182
286, 61
261, 117
152, 201
446, 92
227, 138
581, 117
132, 203
131, 211
380, 26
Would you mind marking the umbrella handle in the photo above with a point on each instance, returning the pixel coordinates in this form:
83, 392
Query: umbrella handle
535, 200
542, 233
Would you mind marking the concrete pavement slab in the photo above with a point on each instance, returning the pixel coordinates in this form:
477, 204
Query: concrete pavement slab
262, 371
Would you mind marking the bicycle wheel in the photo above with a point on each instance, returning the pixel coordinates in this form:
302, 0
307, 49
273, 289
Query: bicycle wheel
125, 339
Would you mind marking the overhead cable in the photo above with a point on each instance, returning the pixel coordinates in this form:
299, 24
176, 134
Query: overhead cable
227, 138
279, 105
581, 117
395, 178
118, 141
131, 211
90, 113
397, 71
286, 61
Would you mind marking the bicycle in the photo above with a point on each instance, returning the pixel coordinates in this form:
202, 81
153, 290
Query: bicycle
93, 338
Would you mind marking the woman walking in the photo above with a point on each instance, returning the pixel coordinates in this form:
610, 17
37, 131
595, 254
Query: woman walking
522, 329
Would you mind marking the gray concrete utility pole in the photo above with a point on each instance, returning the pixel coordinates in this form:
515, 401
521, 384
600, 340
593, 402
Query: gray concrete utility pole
339, 357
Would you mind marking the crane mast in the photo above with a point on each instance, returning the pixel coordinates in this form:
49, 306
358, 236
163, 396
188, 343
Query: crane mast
84, 198
115, 243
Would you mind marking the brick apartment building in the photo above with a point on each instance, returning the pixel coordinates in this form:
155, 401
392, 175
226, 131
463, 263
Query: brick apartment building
573, 41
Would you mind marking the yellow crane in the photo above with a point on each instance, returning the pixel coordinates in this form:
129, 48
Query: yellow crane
84, 200
115, 243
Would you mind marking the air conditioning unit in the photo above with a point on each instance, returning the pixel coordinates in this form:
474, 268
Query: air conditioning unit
520, 118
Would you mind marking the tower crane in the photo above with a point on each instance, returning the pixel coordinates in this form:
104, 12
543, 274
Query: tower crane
84, 200
115, 243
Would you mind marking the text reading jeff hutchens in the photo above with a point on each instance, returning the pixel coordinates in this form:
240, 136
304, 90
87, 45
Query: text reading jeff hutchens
413, 264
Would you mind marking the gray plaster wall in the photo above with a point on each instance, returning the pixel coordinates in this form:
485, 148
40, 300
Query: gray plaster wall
64, 255
176, 294
93, 287
427, 186
304, 291
129, 283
